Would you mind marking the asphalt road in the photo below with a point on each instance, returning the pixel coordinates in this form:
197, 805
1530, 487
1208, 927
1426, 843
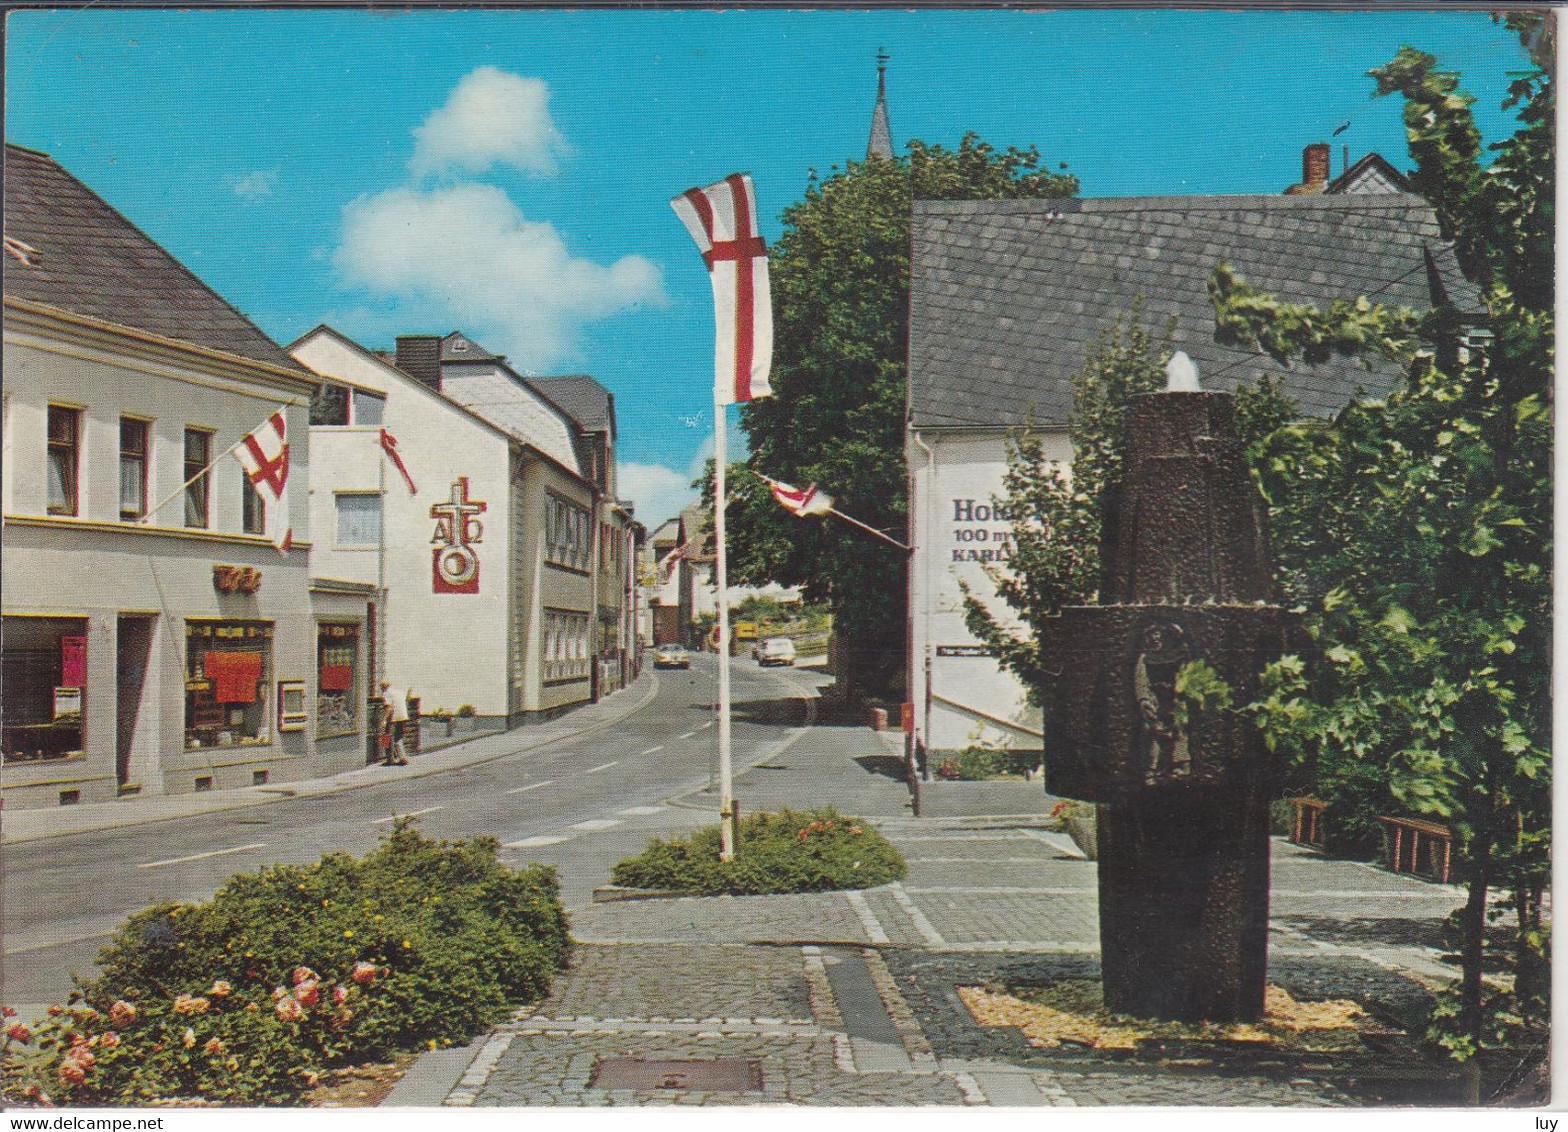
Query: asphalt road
580, 804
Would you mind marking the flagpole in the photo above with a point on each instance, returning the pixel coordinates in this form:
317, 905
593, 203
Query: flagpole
726, 795
213, 463
865, 527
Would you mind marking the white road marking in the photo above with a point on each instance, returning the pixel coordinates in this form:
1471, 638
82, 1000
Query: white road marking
414, 814
597, 824
202, 856
642, 811
653, 750
532, 786
597, 769
705, 726
922, 925
536, 842
688, 735
868, 918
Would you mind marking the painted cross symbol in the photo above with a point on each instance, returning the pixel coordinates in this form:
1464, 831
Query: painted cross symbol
456, 515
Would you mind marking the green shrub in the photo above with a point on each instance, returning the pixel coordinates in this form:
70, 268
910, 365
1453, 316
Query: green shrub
300, 967
978, 763
809, 851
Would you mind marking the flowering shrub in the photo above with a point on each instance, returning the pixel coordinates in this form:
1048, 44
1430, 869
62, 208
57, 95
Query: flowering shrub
788, 851
247, 997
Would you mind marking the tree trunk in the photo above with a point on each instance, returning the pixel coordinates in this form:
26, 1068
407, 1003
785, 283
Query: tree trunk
1472, 952
1532, 970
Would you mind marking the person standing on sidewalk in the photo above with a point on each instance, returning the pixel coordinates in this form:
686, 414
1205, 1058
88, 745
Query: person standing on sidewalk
388, 739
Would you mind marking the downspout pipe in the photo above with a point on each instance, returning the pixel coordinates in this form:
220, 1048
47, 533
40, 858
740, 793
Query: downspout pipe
925, 567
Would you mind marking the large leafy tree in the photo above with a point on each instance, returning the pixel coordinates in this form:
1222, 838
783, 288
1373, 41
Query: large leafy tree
1416, 532
840, 279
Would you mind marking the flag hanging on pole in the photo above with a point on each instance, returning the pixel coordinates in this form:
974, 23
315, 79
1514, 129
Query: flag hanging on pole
264, 454
722, 218
802, 501
389, 446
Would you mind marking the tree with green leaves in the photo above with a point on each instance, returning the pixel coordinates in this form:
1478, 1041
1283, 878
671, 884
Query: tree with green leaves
1416, 533
840, 281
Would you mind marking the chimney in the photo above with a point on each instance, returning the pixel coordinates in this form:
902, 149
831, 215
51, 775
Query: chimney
1314, 164
419, 356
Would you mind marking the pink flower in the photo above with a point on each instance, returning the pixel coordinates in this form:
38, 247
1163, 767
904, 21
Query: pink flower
19, 1033
303, 973
220, 989
279, 993
310, 1078
339, 995
308, 993
856, 830
364, 973
122, 1013
71, 1073
108, 1039
213, 1048
9, 1011
289, 1009
83, 1057
186, 1004
56, 1011
189, 1040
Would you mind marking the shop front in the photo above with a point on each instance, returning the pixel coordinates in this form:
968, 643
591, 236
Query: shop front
45, 688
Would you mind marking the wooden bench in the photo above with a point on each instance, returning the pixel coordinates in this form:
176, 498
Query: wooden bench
1423, 848
1310, 827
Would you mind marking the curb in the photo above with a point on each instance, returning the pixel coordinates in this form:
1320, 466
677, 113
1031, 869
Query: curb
124, 814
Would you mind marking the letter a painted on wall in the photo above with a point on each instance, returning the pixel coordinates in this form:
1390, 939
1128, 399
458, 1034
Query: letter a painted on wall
454, 561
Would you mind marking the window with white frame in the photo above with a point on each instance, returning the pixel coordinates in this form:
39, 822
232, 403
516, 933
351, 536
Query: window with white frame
359, 519
566, 536
564, 646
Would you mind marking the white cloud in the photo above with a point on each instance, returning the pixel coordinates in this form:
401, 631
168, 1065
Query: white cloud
661, 492
255, 186
492, 117
467, 255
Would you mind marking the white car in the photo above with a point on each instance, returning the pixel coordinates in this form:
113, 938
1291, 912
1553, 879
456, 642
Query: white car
776, 650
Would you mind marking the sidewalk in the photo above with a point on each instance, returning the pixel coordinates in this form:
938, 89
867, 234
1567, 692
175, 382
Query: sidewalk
32, 825
849, 998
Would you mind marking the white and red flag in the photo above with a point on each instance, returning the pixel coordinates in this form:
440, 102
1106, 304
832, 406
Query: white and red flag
389, 446
264, 454
802, 501
722, 218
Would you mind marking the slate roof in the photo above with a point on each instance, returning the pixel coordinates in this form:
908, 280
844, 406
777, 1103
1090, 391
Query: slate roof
513, 408
580, 397
93, 261
1007, 296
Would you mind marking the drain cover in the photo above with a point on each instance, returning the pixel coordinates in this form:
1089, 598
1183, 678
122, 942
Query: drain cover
714, 1075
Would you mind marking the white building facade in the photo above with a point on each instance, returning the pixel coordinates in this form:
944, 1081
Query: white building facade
1008, 298
154, 639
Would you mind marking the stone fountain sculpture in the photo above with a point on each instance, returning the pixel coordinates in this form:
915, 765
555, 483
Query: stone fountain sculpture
1184, 790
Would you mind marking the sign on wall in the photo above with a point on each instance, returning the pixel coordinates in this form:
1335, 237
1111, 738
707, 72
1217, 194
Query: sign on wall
454, 561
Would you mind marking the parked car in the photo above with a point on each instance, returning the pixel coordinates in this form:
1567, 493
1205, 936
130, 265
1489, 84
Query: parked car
671, 656
776, 650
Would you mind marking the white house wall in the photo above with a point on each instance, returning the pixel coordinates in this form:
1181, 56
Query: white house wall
95, 567
957, 538
450, 648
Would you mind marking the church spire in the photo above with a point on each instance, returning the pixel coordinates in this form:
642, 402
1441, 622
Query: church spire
881, 142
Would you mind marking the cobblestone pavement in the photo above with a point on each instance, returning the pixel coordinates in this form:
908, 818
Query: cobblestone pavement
850, 999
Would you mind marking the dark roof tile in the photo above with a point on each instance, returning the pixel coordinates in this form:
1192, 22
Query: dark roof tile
93, 261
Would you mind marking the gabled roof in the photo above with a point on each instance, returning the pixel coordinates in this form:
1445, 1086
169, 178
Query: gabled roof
85, 258
1372, 174
580, 397
1007, 296
496, 395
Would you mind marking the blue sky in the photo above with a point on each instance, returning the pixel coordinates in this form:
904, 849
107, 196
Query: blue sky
508, 173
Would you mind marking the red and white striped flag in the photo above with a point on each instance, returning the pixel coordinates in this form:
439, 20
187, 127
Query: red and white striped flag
722, 218
264, 454
389, 446
802, 501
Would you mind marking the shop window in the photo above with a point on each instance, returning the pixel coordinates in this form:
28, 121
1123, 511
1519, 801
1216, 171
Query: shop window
253, 509
133, 468
338, 693
65, 431
198, 454
359, 519
44, 693
228, 671
368, 407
